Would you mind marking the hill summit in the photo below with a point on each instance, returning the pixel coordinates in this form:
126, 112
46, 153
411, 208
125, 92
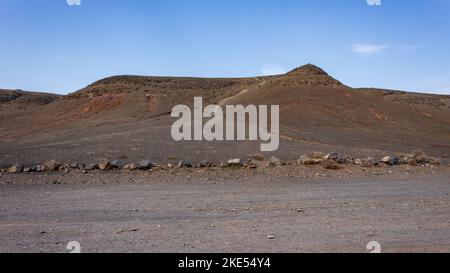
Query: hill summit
308, 70
308, 75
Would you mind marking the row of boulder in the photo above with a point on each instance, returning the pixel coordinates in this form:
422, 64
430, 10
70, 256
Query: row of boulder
106, 165
334, 160
331, 161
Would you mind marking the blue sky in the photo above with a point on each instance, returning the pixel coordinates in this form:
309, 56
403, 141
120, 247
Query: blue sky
51, 46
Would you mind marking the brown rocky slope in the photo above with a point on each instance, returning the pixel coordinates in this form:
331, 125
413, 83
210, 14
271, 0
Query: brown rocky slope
130, 116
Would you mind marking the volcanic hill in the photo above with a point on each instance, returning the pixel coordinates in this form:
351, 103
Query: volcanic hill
130, 116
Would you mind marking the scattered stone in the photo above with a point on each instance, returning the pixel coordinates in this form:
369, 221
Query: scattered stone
271, 237
234, 162
274, 162
40, 168
91, 167
318, 155
422, 159
403, 160
391, 160
20, 167
246, 163
124, 231
145, 165
77, 166
358, 162
15, 169
105, 165
369, 162
332, 156
63, 167
131, 167
345, 160
385, 159
187, 163
259, 157
51, 166
3, 166
409, 160
118, 164
252, 165
330, 165
205, 164
308, 160
157, 168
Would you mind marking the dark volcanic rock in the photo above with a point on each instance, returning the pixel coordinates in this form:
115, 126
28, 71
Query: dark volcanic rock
187, 163
391, 160
118, 164
332, 156
145, 165
345, 160
205, 164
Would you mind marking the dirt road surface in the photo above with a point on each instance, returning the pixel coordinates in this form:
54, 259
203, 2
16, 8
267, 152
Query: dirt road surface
403, 213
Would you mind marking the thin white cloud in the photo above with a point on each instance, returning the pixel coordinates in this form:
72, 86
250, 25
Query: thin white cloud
272, 69
73, 2
368, 49
374, 2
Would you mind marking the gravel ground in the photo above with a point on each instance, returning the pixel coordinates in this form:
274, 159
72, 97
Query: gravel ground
232, 211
